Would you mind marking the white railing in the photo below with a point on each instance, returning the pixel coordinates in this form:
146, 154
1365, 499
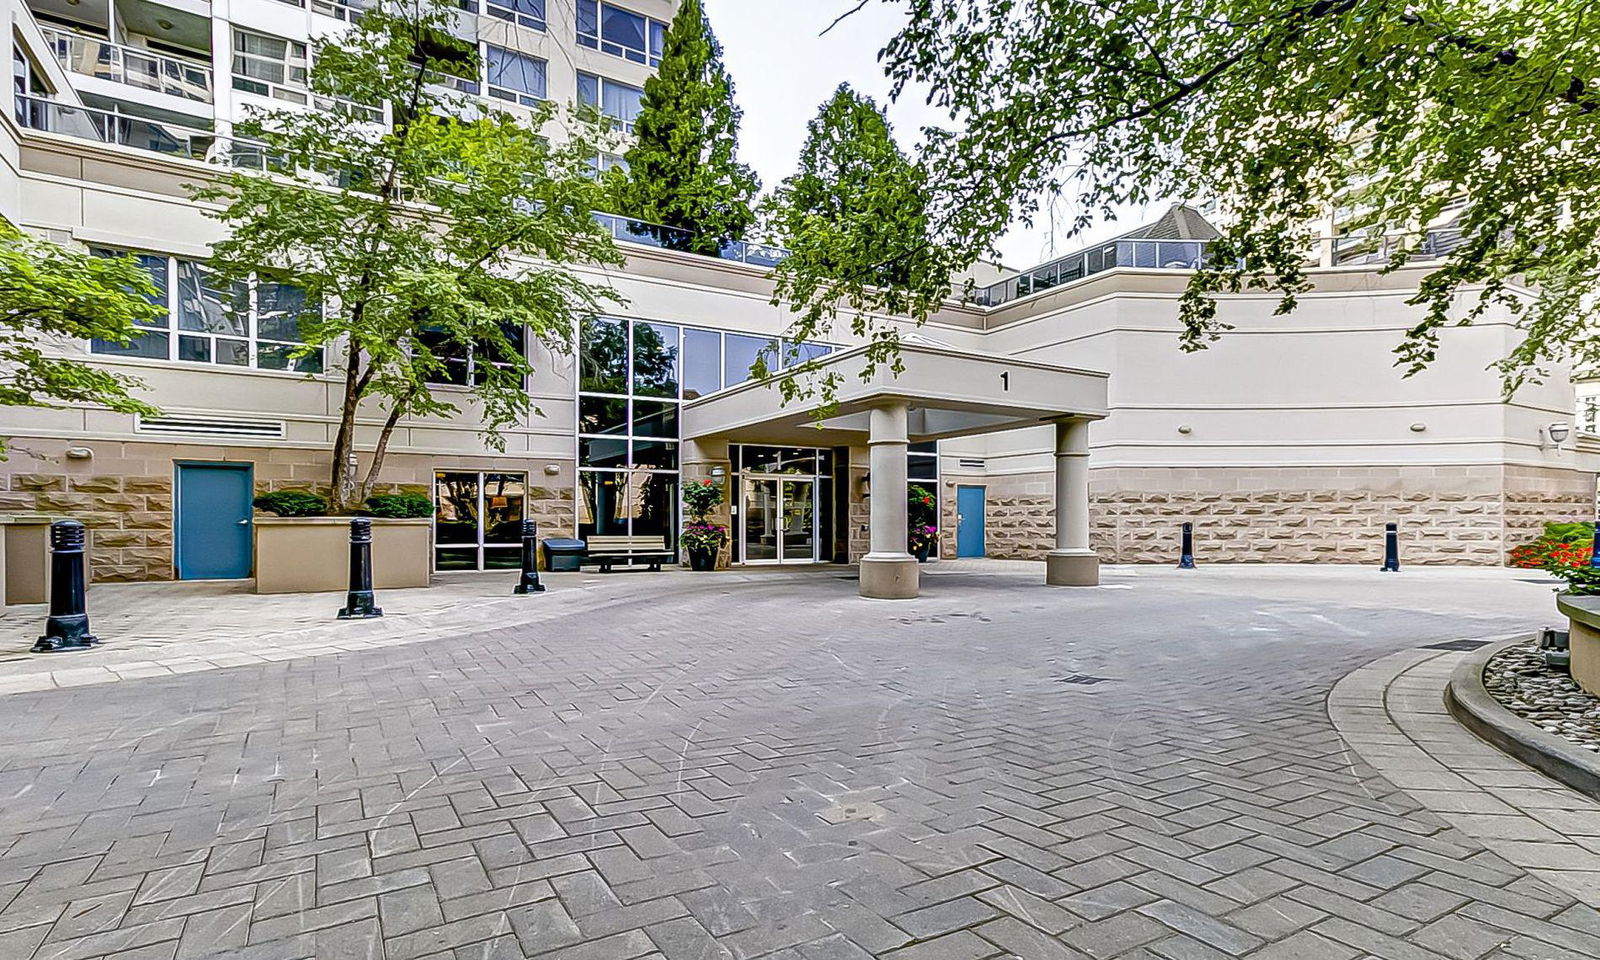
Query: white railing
145, 69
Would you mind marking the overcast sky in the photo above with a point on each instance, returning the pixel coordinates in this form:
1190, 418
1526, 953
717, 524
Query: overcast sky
783, 69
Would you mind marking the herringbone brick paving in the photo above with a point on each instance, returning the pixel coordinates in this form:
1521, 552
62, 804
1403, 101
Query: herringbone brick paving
778, 770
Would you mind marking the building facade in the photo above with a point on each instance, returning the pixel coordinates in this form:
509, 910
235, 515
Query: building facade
1291, 439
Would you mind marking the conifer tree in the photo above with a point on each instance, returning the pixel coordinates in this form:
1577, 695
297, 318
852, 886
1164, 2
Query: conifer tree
683, 170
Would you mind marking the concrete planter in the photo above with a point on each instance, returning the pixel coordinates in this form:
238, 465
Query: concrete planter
1583, 617
312, 554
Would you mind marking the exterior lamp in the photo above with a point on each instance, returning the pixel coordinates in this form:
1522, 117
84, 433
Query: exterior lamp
717, 473
1556, 434
864, 485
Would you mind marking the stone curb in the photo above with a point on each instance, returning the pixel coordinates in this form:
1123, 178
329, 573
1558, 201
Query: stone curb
1470, 703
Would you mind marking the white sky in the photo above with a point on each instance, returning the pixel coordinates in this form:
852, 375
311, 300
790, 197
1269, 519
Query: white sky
783, 69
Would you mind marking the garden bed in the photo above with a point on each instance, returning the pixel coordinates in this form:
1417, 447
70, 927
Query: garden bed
1518, 679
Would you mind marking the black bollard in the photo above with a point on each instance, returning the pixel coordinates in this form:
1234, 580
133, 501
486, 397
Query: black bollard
530, 560
67, 626
359, 604
1391, 548
1186, 558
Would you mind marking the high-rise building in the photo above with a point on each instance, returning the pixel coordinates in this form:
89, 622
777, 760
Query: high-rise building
1291, 439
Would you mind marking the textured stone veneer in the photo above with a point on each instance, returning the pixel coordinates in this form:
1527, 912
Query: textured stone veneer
124, 492
1461, 515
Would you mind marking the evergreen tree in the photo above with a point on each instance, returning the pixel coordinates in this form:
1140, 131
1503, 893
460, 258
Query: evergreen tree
682, 170
855, 219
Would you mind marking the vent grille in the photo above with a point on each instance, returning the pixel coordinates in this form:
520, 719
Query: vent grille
971, 463
212, 427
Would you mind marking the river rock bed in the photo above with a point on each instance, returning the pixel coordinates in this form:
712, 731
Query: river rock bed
1549, 699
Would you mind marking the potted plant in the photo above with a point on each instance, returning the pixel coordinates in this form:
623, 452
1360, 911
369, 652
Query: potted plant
922, 517
701, 538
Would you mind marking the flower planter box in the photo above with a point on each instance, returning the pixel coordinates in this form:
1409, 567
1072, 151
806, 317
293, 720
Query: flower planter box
312, 554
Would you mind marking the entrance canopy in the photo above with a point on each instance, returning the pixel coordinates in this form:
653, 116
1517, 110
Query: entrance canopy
940, 393
947, 393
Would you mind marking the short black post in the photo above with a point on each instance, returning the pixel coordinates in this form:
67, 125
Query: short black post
1186, 558
1391, 548
359, 604
530, 559
67, 626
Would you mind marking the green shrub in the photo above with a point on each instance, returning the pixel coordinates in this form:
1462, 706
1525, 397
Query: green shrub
292, 503
1568, 532
400, 506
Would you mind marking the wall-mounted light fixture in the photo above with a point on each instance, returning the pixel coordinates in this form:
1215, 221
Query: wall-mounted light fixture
552, 469
79, 453
1554, 435
718, 472
1185, 429
864, 485
1418, 427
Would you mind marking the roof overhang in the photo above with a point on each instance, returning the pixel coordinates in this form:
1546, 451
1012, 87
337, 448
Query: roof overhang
951, 393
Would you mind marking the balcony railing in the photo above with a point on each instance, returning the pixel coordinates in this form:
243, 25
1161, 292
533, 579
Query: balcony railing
107, 127
629, 230
1365, 248
1156, 254
144, 69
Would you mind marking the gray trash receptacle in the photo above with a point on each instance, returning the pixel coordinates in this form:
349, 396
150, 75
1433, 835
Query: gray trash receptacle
563, 555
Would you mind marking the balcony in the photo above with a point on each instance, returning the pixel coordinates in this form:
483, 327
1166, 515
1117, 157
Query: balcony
1153, 254
104, 126
145, 69
627, 230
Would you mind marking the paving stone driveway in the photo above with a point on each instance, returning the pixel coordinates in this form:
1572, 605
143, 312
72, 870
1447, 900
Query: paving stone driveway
778, 769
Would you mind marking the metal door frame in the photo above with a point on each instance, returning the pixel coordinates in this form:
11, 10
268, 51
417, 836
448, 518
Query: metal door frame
248, 468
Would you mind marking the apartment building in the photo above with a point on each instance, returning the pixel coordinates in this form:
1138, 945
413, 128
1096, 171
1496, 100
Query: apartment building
1055, 393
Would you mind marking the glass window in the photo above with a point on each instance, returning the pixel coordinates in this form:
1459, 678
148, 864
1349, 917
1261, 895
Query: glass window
602, 504
804, 352
603, 452
620, 32
655, 454
655, 419
527, 13
653, 497
617, 101
455, 517
477, 522
655, 360
702, 363
602, 415
514, 76
740, 353
269, 66
255, 322
603, 364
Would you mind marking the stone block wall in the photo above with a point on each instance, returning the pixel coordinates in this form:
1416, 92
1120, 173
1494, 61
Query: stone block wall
1447, 515
123, 491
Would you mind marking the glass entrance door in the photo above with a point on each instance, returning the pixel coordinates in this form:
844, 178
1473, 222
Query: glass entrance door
779, 520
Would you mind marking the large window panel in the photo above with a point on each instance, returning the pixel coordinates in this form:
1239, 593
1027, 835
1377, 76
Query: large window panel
603, 452
617, 101
603, 415
655, 419
655, 360
740, 353
602, 504
527, 13
654, 500
204, 309
620, 32
515, 77
604, 357
702, 363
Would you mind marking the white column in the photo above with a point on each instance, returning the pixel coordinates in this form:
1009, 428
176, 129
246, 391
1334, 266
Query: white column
888, 572
1072, 563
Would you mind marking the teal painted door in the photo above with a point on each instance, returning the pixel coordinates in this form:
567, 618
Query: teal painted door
213, 539
969, 522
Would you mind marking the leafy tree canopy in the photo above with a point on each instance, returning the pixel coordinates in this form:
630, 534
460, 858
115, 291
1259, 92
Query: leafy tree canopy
49, 293
683, 170
855, 220
417, 236
1392, 112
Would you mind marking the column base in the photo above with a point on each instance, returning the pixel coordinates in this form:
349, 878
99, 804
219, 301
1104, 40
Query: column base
1072, 569
889, 576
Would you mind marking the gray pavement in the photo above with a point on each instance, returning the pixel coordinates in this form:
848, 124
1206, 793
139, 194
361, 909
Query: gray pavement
705, 767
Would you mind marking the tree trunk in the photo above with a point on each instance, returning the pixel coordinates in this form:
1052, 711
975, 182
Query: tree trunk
382, 449
344, 473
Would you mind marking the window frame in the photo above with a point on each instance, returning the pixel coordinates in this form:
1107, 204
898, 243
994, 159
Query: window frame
593, 12
518, 97
599, 105
297, 91
172, 329
533, 21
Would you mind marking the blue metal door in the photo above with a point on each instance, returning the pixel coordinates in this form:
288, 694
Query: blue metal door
213, 537
969, 521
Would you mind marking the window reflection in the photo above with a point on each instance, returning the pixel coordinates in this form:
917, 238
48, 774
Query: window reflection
604, 357
655, 360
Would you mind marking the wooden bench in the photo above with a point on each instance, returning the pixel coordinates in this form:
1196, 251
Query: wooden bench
609, 551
